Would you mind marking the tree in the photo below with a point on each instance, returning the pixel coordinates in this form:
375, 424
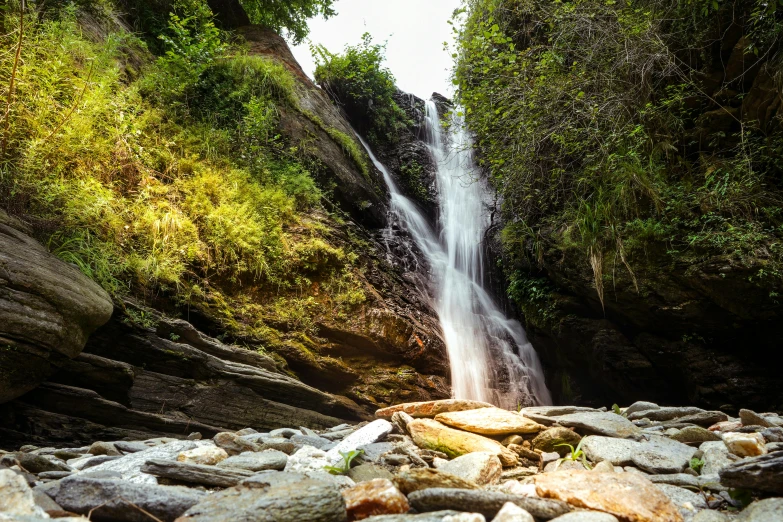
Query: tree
288, 16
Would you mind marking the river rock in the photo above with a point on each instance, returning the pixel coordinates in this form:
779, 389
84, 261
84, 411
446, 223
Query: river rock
488, 503
207, 455
309, 499
234, 444
709, 515
368, 471
489, 421
603, 467
664, 414
431, 408
81, 494
16, 497
751, 418
763, 511
375, 497
257, 461
715, 456
480, 468
48, 309
435, 516
103, 448
628, 496
372, 432
641, 406
695, 435
415, 479
130, 465
676, 479
617, 451
745, 444
773, 434
662, 455
196, 473
703, 418
762, 473
307, 459
549, 440
431, 434
601, 423
130, 446
510, 512
586, 516
39, 463
687, 502
375, 451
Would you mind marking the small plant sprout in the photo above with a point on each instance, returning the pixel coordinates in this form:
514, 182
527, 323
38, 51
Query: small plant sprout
345, 466
575, 455
696, 464
618, 411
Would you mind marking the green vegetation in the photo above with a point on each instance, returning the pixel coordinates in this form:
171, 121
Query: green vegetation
619, 131
166, 176
696, 464
364, 86
345, 466
290, 15
575, 455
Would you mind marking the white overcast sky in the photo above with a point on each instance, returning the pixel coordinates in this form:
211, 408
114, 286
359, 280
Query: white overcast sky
414, 29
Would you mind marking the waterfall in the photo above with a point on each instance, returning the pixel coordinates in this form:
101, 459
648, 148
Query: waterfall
490, 357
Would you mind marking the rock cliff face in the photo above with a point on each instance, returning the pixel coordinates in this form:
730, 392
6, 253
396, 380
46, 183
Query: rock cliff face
48, 309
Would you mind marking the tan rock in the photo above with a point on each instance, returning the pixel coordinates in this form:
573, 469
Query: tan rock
603, 467
745, 444
207, 455
489, 421
628, 496
481, 468
552, 439
512, 439
374, 497
431, 408
431, 434
233, 444
415, 479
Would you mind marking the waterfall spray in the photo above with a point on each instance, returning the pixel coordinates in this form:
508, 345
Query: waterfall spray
490, 357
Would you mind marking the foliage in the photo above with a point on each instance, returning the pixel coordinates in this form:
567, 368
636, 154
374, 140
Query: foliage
696, 464
603, 136
616, 409
575, 455
291, 15
345, 465
364, 86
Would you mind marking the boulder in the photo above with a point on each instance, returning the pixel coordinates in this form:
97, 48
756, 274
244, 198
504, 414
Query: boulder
762, 473
48, 309
431, 408
628, 496
430, 434
489, 421
480, 468
308, 499
110, 500
375, 497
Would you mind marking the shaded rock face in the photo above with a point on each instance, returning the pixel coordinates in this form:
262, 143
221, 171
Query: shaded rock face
48, 309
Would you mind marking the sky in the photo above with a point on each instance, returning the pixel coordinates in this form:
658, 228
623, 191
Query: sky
414, 29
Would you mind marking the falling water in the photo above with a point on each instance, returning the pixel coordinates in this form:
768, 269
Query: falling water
491, 359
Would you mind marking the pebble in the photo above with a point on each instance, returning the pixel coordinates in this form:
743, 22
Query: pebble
368, 471
687, 502
130, 447
662, 455
430, 434
374, 497
510, 512
617, 451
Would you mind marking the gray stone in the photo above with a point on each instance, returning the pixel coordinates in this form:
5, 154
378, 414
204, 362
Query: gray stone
54, 475
372, 432
762, 473
481, 468
617, 451
601, 423
716, 457
554, 411
245, 431
641, 406
512, 513
45, 502
586, 516
368, 471
16, 497
196, 473
103, 448
336, 435
130, 465
709, 515
765, 510
773, 434
38, 463
130, 447
435, 516
68, 454
234, 444
688, 503
675, 479
664, 414
273, 478
695, 435
285, 433
373, 452
307, 440
488, 503
81, 494
97, 461
662, 455
310, 500
751, 418
260, 461
704, 418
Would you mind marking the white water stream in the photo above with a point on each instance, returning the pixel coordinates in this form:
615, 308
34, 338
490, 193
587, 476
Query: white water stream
490, 357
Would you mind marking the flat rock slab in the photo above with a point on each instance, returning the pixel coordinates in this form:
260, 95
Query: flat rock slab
763, 473
431, 408
129, 466
601, 423
373, 432
430, 434
196, 473
310, 500
695, 435
415, 479
480, 468
665, 413
617, 451
82, 494
257, 461
628, 496
489, 421
488, 503
662, 455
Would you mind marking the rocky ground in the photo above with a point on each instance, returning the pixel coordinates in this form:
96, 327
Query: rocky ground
445, 461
